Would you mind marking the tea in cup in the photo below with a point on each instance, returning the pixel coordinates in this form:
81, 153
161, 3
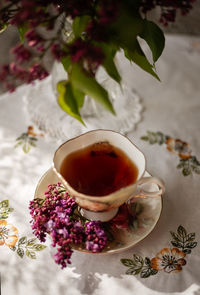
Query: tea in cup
102, 169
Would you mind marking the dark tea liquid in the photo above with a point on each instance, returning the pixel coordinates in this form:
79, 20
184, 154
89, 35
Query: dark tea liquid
98, 169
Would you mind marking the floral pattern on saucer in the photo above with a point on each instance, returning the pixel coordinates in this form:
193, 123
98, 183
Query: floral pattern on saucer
145, 214
187, 162
169, 260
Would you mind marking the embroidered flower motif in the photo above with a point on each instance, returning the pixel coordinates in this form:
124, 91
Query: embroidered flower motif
8, 234
169, 260
179, 147
188, 163
28, 139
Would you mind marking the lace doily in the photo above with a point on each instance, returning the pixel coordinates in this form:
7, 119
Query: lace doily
45, 113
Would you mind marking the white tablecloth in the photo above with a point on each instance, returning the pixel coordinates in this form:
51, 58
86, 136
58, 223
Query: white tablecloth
172, 107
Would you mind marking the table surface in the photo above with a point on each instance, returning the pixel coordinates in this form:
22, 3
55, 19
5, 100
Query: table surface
171, 107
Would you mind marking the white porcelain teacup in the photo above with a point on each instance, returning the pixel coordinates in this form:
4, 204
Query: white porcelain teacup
105, 207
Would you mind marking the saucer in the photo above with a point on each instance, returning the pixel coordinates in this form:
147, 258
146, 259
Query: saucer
149, 211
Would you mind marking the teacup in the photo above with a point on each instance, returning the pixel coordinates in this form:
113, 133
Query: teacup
105, 207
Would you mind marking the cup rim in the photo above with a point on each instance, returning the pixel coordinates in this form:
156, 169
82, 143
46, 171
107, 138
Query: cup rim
99, 199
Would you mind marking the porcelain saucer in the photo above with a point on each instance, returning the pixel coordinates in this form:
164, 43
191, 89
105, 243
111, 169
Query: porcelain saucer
147, 215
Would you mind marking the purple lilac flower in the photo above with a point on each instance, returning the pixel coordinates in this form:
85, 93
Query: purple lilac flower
53, 215
95, 236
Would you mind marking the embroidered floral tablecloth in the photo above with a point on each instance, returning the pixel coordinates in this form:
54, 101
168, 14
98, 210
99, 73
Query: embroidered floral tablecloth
167, 261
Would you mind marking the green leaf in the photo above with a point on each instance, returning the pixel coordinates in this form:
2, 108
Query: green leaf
154, 272
145, 273
22, 241
181, 231
30, 254
175, 236
191, 245
79, 24
26, 148
3, 27
70, 100
180, 165
4, 204
39, 247
133, 271
20, 252
190, 237
186, 171
127, 27
147, 261
187, 251
22, 31
3, 215
85, 83
145, 138
31, 242
177, 244
138, 57
138, 259
32, 143
66, 62
12, 248
108, 62
128, 262
154, 37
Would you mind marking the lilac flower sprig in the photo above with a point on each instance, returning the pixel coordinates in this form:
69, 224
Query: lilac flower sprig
56, 216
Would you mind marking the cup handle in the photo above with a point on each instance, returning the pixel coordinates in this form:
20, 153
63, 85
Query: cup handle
142, 193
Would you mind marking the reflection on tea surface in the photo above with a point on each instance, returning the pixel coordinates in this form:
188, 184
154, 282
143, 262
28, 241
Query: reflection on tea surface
98, 169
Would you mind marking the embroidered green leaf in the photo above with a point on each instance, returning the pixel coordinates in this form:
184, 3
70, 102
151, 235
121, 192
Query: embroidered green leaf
4, 204
153, 271
147, 261
145, 273
39, 247
138, 260
190, 237
30, 254
31, 242
13, 248
4, 209
20, 252
133, 271
191, 245
174, 236
186, 171
177, 244
128, 262
187, 251
26, 141
26, 148
22, 241
181, 231
155, 137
